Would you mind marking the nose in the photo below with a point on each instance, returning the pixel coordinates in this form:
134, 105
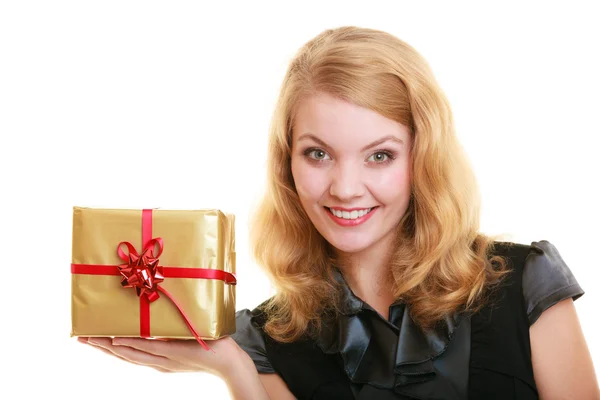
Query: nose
347, 182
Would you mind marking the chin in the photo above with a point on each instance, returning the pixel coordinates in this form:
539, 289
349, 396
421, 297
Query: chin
349, 247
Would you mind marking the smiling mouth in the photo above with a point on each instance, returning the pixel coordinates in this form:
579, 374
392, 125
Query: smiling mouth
350, 215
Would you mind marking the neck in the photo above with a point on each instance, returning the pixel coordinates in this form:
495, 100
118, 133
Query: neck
368, 275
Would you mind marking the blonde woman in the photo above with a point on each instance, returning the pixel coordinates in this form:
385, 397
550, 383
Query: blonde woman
386, 289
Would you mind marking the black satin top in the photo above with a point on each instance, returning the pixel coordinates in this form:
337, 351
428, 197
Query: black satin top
362, 355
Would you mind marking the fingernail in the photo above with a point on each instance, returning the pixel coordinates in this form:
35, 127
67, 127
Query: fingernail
82, 339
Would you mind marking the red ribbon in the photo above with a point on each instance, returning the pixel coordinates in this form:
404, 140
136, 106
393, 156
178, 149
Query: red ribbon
142, 272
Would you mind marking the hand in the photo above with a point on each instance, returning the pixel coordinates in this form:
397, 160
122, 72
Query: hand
175, 355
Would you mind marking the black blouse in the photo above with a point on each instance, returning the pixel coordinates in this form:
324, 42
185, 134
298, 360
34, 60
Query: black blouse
362, 355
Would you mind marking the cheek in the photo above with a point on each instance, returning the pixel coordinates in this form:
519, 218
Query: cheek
393, 184
310, 182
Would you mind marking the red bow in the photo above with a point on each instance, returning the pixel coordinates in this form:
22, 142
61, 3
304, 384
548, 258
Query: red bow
142, 271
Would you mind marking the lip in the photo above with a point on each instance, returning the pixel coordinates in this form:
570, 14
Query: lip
351, 222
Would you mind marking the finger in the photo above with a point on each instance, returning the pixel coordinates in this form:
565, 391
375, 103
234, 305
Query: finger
175, 350
99, 343
105, 345
107, 351
140, 356
150, 359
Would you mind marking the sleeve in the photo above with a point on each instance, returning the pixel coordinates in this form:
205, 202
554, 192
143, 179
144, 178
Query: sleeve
249, 336
547, 280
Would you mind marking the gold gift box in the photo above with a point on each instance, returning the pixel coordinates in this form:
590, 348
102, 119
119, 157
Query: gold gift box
101, 306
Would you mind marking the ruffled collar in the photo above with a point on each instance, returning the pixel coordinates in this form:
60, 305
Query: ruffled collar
391, 355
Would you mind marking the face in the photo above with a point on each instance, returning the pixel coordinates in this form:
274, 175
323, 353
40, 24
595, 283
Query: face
351, 168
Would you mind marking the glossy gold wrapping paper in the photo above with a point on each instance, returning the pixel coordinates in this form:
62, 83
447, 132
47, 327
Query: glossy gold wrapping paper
100, 306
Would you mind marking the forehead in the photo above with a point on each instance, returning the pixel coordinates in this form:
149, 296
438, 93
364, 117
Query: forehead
332, 119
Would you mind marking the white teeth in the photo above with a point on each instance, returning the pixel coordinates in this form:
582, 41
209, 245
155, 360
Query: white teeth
350, 214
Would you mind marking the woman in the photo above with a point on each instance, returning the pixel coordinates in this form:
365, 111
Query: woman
369, 230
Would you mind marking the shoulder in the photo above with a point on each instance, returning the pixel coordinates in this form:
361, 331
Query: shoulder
251, 338
538, 275
547, 280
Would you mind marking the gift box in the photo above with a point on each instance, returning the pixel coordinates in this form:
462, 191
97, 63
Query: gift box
153, 273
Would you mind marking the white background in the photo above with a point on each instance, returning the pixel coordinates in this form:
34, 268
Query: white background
167, 104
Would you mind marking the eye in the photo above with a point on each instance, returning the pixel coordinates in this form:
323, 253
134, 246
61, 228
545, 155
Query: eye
380, 157
316, 154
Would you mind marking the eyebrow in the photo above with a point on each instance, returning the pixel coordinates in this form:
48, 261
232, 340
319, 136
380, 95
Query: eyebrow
310, 136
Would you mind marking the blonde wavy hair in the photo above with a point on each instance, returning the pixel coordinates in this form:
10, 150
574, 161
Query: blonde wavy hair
441, 262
